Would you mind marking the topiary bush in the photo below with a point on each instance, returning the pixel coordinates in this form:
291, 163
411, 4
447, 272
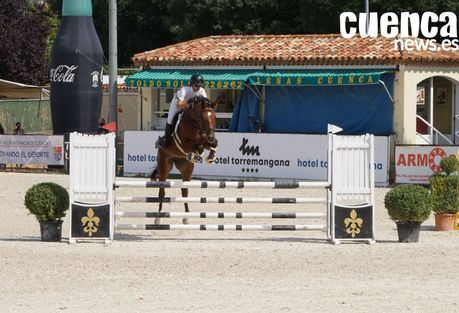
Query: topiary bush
47, 201
449, 164
408, 203
445, 193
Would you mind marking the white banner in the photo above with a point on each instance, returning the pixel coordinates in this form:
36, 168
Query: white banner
414, 164
286, 156
28, 149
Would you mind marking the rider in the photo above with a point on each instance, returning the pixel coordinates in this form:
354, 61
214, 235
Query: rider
179, 103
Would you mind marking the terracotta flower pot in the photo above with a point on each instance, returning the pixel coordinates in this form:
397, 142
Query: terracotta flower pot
444, 222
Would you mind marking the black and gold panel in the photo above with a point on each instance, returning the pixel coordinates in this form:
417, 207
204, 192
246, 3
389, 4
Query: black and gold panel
90, 221
354, 222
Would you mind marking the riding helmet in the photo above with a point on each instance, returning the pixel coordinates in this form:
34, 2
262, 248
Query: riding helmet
197, 80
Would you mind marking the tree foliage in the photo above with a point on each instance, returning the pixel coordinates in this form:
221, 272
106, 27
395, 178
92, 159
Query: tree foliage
24, 41
148, 24
145, 25
140, 24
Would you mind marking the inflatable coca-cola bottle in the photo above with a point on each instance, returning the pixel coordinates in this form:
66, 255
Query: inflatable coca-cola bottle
76, 71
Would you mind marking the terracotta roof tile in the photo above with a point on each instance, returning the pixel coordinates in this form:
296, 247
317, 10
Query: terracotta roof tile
257, 50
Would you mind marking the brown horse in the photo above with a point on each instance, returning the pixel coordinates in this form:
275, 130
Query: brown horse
194, 134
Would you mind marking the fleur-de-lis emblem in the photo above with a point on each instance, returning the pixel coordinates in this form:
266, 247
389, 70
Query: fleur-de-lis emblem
353, 224
90, 222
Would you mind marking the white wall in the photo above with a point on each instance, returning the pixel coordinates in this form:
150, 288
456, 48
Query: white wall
406, 80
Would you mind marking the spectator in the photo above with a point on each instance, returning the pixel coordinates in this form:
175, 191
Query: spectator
101, 129
19, 130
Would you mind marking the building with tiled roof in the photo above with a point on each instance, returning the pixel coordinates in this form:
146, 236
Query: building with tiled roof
301, 82
288, 50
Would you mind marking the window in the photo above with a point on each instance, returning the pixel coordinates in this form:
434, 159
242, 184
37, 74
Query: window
225, 109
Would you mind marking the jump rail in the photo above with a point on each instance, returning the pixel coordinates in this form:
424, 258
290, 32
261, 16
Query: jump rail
285, 215
220, 227
241, 200
220, 184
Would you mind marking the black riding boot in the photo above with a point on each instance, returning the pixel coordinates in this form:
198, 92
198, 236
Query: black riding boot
168, 135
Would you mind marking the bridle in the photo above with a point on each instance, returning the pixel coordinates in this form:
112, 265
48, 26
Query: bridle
197, 121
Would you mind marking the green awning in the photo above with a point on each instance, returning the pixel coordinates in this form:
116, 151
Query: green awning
236, 79
162, 78
319, 77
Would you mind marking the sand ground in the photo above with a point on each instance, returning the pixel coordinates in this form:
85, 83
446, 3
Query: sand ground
186, 271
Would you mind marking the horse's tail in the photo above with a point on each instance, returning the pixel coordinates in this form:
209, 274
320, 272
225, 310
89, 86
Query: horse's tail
154, 174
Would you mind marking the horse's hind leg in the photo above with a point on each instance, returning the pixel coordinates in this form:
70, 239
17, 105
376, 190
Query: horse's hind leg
186, 169
185, 194
164, 167
161, 195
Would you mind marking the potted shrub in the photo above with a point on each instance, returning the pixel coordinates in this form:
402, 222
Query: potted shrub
49, 203
445, 193
408, 206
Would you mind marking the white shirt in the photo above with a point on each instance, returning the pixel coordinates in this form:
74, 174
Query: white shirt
187, 92
184, 94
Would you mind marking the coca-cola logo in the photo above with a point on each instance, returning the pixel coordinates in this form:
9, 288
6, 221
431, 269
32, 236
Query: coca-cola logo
63, 74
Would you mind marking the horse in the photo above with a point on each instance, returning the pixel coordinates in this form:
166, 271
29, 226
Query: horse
194, 134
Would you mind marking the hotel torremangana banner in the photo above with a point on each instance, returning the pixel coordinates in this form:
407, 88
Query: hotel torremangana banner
252, 155
414, 164
27, 149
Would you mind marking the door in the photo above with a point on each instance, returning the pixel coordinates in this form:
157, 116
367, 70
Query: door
455, 98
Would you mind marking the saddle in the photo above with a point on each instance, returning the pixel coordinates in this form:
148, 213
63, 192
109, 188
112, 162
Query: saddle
175, 122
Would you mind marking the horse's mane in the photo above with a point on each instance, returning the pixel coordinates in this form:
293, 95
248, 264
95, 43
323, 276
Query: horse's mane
199, 99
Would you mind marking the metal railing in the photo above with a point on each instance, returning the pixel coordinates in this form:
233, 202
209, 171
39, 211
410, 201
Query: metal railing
436, 134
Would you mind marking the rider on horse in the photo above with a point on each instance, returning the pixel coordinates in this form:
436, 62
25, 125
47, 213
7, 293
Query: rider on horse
179, 103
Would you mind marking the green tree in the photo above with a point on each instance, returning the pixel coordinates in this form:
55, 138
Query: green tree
24, 41
140, 26
149, 24
191, 19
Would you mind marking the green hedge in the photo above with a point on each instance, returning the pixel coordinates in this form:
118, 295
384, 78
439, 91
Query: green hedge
445, 193
47, 201
408, 203
449, 165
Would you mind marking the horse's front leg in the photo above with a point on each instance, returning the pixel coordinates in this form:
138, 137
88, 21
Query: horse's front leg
196, 157
213, 151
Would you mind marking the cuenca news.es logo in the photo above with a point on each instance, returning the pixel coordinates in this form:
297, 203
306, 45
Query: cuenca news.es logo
405, 29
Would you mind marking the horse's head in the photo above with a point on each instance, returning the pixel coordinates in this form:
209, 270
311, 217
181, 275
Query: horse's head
203, 114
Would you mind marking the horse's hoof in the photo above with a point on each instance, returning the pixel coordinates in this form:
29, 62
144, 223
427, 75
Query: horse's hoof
185, 221
210, 160
194, 158
189, 157
157, 221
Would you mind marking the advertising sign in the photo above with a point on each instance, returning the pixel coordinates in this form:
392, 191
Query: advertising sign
414, 164
75, 73
252, 155
25, 149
